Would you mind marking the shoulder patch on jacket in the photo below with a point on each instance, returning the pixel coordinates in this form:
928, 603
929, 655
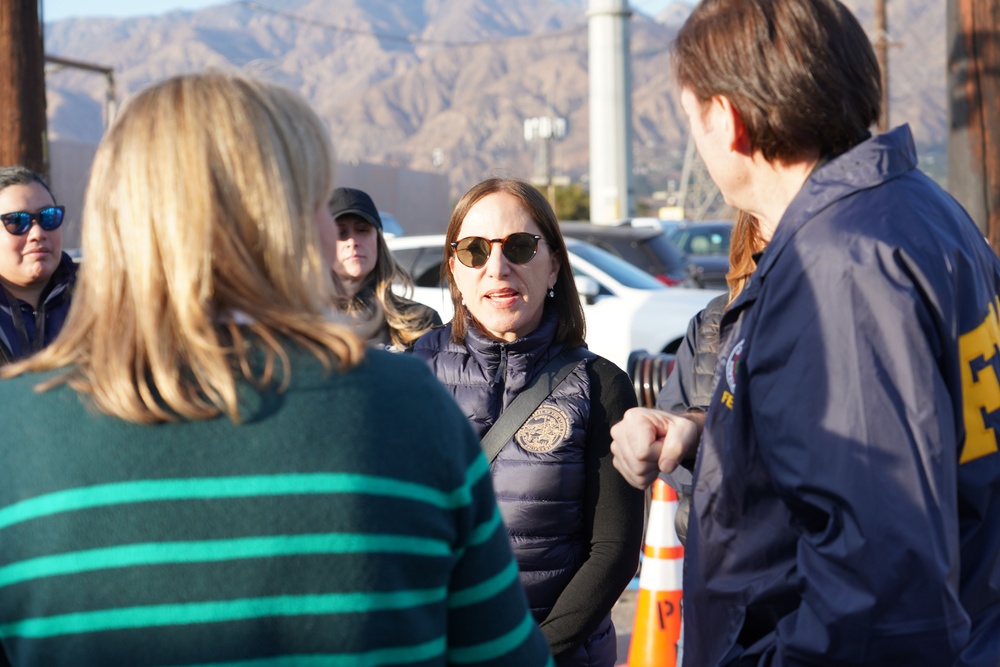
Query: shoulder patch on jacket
732, 364
547, 426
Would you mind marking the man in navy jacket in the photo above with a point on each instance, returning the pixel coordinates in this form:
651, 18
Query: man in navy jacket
847, 484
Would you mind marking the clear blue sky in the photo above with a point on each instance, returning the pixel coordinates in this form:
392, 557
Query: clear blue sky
55, 10
62, 9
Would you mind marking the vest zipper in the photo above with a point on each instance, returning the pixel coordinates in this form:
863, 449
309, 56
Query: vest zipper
502, 366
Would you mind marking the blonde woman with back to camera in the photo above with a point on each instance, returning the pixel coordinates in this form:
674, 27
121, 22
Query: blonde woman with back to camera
210, 483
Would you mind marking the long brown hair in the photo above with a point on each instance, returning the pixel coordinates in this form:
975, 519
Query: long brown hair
744, 242
406, 324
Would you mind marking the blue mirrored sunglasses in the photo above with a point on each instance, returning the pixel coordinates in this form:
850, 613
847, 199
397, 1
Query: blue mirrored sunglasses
19, 222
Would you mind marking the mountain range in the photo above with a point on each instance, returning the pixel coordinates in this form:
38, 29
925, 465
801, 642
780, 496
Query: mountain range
445, 85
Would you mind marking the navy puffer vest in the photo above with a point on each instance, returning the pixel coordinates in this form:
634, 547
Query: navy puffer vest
539, 473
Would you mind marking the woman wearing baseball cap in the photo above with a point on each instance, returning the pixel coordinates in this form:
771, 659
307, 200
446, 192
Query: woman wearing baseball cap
364, 272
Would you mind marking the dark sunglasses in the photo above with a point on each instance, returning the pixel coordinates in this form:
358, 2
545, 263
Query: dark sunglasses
518, 248
19, 222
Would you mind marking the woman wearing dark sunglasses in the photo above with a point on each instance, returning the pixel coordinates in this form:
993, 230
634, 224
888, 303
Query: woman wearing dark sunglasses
36, 275
573, 521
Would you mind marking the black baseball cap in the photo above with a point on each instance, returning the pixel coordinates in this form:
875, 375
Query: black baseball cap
353, 201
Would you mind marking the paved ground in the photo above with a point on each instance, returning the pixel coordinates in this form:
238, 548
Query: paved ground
623, 615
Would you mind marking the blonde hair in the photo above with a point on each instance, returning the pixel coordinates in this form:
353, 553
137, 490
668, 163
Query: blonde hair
406, 324
199, 228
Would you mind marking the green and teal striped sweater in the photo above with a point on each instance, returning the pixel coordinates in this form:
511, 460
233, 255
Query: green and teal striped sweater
349, 521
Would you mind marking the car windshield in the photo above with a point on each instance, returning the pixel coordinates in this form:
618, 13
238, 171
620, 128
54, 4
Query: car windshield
620, 270
390, 225
670, 227
704, 239
667, 251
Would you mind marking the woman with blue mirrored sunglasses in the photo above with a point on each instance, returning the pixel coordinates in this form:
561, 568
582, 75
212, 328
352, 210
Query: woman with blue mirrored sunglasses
35, 275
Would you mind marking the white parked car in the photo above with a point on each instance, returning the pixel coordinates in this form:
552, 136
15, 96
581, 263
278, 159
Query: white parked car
626, 308
390, 225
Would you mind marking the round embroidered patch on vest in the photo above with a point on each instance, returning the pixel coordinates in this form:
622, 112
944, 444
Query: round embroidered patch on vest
545, 429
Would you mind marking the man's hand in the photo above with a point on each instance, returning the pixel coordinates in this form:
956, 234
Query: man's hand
646, 442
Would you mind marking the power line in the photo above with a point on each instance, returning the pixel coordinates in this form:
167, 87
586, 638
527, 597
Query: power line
408, 39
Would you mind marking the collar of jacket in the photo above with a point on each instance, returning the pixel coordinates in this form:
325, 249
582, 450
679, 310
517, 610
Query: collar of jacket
364, 298
519, 359
870, 163
62, 279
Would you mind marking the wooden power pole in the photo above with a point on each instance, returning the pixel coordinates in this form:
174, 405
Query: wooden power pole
22, 85
974, 111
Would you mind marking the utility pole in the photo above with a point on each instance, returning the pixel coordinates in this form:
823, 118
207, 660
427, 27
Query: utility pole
540, 132
882, 56
974, 111
610, 82
22, 86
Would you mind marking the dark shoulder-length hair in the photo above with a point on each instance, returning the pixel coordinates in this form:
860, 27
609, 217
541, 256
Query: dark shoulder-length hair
572, 327
802, 74
16, 174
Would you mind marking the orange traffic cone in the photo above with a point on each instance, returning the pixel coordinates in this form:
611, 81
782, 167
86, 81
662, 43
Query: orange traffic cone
657, 627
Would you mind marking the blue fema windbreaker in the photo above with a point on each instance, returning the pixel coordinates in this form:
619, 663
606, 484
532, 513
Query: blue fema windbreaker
847, 498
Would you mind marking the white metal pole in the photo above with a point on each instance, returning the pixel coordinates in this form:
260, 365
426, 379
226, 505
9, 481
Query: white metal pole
611, 196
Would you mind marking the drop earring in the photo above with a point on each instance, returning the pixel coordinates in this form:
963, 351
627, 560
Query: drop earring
552, 292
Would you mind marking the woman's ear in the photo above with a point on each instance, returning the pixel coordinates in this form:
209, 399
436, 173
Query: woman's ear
450, 278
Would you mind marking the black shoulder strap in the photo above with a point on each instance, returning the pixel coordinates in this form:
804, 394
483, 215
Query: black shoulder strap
525, 403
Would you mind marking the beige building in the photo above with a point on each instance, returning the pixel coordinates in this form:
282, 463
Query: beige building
418, 200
